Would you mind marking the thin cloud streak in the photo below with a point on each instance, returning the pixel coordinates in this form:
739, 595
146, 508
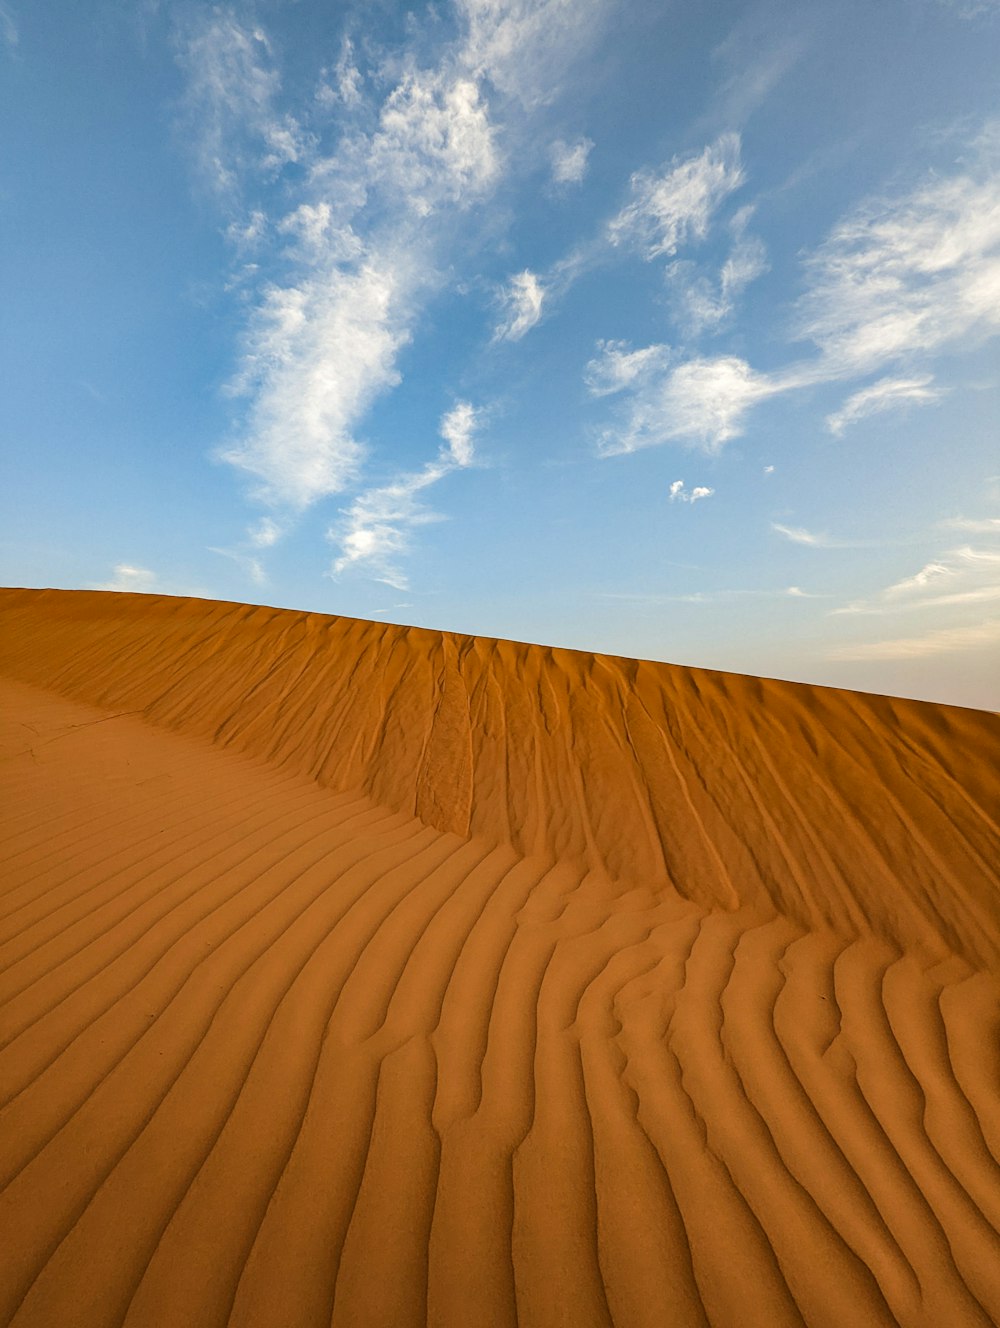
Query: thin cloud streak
886, 394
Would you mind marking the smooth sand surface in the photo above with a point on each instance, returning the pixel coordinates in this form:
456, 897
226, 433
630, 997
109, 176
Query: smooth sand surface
361, 975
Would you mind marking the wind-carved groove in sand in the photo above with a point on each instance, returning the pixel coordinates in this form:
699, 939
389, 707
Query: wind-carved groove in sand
692, 1021
113, 1039
119, 1181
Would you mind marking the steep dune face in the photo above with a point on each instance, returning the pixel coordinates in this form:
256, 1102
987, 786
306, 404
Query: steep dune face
833, 807
357, 974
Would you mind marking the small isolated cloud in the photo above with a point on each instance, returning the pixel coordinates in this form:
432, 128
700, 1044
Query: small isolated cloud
521, 300
376, 530
264, 533
937, 641
678, 493
886, 394
138, 580
458, 428
569, 160
703, 401
671, 209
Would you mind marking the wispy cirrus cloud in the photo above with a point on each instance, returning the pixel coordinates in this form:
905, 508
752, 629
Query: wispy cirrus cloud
887, 394
230, 111
521, 302
900, 278
702, 401
814, 539
358, 233
960, 577
988, 525
527, 48
569, 160
909, 275
376, 530
702, 304
674, 207
666, 210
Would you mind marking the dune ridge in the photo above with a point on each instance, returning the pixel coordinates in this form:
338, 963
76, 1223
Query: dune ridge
736, 790
353, 974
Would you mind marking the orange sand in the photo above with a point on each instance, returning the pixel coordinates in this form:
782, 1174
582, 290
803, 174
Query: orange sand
361, 975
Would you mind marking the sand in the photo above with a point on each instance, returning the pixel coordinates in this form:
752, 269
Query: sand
355, 974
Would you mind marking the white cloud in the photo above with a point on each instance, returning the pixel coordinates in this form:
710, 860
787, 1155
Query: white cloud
702, 304
937, 641
342, 83
376, 530
232, 88
616, 367
361, 243
799, 535
316, 235
435, 143
458, 428
264, 533
703, 401
746, 262
959, 577
316, 356
678, 493
138, 580
989, 525
526, 48
521, 299
246, 235
886, 394
569, 160
912, 274
671, 209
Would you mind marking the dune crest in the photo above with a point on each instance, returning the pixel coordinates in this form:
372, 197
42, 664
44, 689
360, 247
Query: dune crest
361, 974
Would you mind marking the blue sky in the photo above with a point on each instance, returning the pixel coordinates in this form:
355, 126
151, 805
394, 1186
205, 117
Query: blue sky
662, 329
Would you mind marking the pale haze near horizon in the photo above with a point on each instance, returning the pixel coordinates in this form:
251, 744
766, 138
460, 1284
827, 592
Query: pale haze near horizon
659, 330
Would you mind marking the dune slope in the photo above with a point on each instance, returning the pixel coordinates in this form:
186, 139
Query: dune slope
353, 974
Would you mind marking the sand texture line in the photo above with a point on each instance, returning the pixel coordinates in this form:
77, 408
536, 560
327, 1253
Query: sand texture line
359, 975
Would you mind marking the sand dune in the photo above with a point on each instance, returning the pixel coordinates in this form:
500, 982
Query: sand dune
362, 975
